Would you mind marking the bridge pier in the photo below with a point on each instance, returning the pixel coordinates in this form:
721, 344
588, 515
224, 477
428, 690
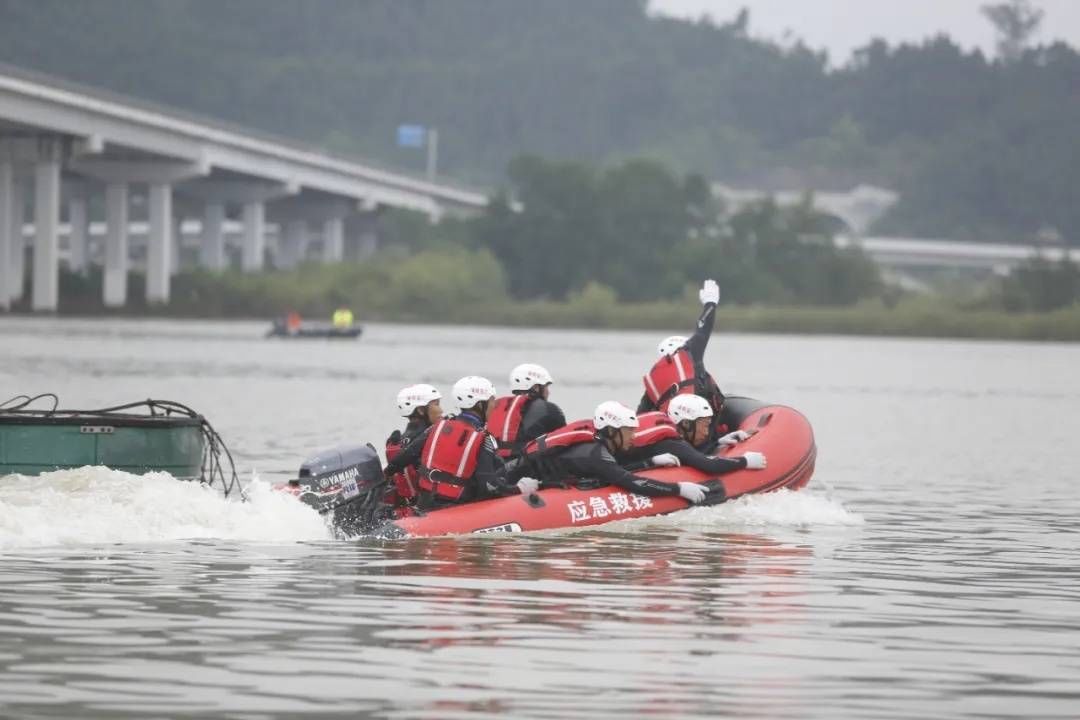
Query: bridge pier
160, 241
78, 222
116, 245
252, 196
333, 240
46, 290
292, 244
159, 176
17, 243
212, 246
254, 247
7, 185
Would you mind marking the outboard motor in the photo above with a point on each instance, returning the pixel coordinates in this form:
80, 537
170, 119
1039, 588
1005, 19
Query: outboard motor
345, 483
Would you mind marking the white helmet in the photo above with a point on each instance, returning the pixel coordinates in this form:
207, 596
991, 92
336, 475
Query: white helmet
415, 396
525, 376
472, 389
612, 414
689, 407
669, 345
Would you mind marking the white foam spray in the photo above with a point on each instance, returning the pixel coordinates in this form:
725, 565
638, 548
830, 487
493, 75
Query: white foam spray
783, 508
96, 505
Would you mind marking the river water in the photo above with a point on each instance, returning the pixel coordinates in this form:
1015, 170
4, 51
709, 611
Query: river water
929, 570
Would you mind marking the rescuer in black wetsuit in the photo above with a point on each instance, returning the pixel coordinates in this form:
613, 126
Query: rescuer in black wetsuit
527, 413
692, 419
587, 451
419, 404
703, 385
457, 457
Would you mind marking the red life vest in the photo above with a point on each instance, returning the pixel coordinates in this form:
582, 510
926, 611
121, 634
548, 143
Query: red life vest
671, 375
406, 481
448, 460
504, 422
575, 433
654, 427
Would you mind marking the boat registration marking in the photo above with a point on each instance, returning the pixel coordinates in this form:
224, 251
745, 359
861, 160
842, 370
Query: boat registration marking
350, 489
96, 429
506, 527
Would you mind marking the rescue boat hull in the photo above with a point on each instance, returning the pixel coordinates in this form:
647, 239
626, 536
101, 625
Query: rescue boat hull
780, 432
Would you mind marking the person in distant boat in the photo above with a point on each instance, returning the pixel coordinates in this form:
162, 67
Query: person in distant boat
681, 437
681, 367
586, 450
420, 405
526, 413
343, 318
292, 322
458, 463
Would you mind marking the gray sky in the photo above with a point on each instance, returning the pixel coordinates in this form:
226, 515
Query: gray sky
843, 25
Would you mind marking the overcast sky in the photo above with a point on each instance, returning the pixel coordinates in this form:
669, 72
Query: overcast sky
843, 25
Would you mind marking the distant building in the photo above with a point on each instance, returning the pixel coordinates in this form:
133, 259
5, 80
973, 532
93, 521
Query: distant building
858, 209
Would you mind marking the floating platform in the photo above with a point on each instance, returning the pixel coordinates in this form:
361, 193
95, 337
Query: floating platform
141, 437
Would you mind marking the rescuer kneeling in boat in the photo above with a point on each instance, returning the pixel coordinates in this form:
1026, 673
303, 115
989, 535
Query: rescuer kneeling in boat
458, 463
681, 367
419, 404
526, 413
681, 437
587, 450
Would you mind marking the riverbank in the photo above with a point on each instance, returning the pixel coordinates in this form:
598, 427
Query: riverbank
375, 294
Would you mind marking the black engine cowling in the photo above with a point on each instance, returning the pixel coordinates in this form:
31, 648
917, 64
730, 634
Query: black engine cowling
347, 482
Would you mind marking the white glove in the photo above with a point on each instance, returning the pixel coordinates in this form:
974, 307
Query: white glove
734, 437
528, 486
754, 461
665, 460
709, 293
692, 491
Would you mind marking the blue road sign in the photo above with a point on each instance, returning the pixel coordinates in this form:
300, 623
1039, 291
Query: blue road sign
410, 136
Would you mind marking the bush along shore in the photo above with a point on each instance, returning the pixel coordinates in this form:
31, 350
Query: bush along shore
464, 287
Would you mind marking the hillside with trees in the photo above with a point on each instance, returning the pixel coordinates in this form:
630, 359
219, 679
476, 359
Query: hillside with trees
978, 147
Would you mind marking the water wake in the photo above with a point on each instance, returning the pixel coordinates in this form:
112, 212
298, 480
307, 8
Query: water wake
95, 505
783, 508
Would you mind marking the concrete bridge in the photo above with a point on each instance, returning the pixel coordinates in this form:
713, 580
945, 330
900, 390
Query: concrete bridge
65, 145
901, 253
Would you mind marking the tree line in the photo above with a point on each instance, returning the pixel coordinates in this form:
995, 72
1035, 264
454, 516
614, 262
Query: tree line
979, 148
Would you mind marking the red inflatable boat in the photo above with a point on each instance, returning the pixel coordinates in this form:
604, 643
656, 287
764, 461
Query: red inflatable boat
346, 484
782, 434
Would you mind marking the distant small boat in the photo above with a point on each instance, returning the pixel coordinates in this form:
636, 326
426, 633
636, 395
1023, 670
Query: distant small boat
314, 330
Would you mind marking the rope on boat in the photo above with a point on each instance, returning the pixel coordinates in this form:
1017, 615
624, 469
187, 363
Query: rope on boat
214, 471
27, 400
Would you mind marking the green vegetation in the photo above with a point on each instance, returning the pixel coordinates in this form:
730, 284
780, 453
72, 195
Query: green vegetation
619, 247
316, 290
978, 148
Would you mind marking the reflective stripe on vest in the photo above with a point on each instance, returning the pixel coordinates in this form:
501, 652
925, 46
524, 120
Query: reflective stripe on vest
575, 433
450, 455
654, 427
504, 422
671, 375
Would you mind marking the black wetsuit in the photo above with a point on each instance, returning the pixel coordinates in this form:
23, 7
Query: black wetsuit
487, 481
704, 384
689, 456
588, 461
539, 416
412, 442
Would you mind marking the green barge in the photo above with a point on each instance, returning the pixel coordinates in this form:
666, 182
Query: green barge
141, 437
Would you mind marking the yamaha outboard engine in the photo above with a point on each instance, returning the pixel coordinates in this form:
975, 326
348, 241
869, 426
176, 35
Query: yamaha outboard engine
345, 483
